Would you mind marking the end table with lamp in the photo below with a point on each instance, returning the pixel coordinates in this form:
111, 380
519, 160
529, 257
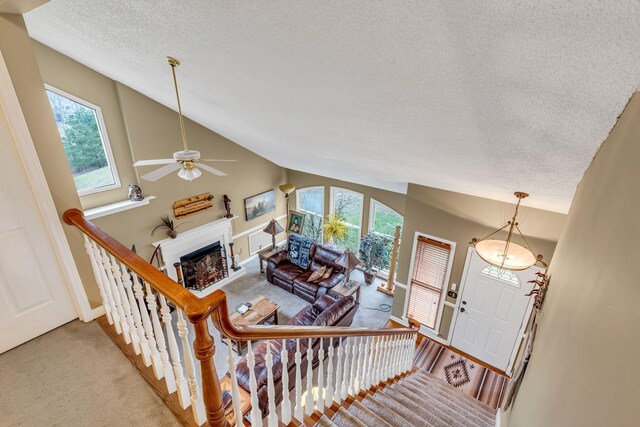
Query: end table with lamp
273, 228
349, 287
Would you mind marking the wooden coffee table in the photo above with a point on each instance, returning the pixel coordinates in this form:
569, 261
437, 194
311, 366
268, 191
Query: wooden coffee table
245, 400
262, 309
342, 289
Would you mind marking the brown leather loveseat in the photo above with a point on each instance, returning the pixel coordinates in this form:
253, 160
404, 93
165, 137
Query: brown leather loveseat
327, 311
290, 277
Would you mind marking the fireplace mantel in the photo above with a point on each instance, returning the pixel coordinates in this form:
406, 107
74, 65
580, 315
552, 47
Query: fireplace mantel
216, 231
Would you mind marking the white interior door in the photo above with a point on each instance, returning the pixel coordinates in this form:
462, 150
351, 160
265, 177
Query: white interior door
34, 297
491, 311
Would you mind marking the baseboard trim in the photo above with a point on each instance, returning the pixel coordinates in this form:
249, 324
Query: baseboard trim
97, 312
248, 260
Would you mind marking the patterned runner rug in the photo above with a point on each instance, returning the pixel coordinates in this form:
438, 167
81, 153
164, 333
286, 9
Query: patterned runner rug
473, 379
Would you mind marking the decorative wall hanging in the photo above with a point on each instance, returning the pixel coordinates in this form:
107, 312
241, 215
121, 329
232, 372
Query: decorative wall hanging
296, 219
192, 205
260, 204
169, 225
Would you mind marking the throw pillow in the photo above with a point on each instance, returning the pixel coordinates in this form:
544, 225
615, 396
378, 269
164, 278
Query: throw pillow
298, 250
327, 273
317, 275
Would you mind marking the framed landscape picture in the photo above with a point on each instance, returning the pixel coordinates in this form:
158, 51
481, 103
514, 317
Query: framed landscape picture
296, 219
260, 204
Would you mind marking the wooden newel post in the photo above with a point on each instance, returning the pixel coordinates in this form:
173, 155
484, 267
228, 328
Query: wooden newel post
204, 349
389, 288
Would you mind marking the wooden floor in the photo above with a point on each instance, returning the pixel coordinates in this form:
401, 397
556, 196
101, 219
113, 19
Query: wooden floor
394, 324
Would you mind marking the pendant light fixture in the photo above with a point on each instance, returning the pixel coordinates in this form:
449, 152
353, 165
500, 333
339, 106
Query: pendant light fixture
505, 254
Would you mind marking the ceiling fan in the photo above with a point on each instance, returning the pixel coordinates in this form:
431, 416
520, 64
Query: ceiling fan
187, 161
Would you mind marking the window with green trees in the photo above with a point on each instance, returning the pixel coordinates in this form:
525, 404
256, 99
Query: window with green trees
310, 201
85, 142
347, 205
383, 220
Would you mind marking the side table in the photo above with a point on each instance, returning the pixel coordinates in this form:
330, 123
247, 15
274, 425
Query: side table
344, 289
265, 254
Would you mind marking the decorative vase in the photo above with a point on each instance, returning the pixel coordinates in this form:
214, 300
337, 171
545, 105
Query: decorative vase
172, 233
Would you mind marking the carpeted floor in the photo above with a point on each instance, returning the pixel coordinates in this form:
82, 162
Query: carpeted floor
473, 379
75, 376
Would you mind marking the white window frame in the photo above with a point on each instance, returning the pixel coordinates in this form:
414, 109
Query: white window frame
332, 209
298, 208
425, 330
372, 207
106, 144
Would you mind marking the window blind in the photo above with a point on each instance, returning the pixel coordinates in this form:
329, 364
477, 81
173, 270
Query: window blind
427, 280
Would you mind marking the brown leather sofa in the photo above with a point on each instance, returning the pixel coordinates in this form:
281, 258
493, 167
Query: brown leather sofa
281, 272
327, 311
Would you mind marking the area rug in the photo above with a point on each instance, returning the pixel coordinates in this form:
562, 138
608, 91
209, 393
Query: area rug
473, 379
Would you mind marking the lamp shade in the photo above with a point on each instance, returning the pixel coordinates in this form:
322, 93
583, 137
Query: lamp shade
517, 257
348, 260
273, 228
189, 173
287, 188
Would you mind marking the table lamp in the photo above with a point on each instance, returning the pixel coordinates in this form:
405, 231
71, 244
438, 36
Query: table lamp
273, 228
349, 261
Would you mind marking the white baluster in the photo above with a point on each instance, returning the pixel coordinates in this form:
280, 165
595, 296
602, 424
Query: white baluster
135, 312
112, 293
407, 353
298, 359
320, 397
235, 391
117, 274
357, 384
396, 356
337, 394
285, 406
328, 398
256, 414
157, 330
180, 381
148, 327
354, 362
373, 379
377, 361
368, 360
197, 403
392, 358
384, 370
91, 251
308, 404
345, 369
272, 417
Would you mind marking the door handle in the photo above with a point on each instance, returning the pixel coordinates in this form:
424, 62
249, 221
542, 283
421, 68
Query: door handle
462, 309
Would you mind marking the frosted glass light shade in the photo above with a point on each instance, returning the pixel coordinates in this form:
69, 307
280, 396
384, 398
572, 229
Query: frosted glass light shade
189, 174
518, 257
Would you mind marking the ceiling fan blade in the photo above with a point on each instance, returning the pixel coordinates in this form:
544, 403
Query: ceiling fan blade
216, 160
153, 162
210, 169
159, 173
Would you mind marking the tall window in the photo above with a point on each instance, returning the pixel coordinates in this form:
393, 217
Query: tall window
383, 220
431, 267
310, 201
85, 142
348, 205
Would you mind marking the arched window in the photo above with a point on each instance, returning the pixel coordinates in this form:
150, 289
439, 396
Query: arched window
310, 201
348, 204
505, 275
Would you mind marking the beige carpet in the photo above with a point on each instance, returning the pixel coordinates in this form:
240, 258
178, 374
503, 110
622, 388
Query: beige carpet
75, 376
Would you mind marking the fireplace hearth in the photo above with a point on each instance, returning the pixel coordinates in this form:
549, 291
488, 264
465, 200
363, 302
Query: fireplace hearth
204, 267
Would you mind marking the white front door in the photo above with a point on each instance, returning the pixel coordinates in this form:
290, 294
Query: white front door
491, 310
34, 297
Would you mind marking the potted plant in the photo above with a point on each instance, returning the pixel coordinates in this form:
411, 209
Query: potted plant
374, 252
169, 225
334, 228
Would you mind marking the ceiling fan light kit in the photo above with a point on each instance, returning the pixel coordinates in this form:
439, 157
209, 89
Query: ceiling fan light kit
186, 161
505, 254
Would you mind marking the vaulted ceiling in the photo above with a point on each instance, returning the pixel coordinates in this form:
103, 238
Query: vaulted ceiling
482, 98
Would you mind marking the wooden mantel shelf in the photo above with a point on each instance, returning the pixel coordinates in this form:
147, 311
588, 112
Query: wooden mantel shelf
112, 208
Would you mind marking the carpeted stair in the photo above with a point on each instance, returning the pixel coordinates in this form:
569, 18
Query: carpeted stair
419, 399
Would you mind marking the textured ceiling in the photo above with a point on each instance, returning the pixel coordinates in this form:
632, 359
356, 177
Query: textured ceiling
482, 98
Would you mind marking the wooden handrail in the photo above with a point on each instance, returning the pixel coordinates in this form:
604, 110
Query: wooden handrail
215, 305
